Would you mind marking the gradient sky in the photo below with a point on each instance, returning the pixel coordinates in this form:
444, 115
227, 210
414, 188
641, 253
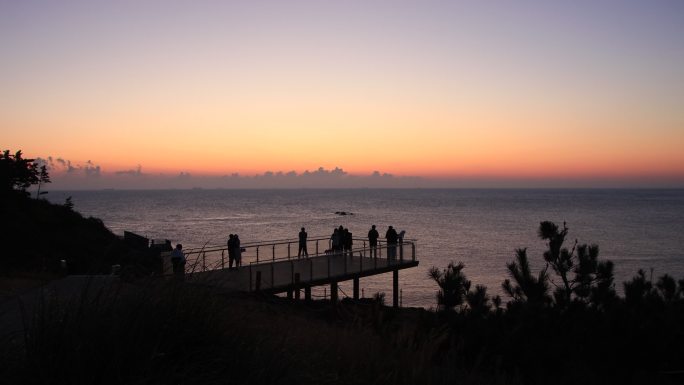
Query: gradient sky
524, 93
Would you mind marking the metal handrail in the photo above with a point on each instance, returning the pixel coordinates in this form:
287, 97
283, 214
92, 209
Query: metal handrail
397, 259
276, 243
200, 254
383, 245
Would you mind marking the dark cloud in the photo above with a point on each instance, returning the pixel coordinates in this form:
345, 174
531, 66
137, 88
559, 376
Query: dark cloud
92, 170
378, 174
318, 178
133, 172
90, 175
44, 162
322, 172
69, 168
68, 175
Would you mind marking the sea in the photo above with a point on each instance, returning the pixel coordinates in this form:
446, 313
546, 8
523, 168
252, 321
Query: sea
636, 229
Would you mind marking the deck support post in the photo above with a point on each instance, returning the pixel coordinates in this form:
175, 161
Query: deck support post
296, 286
356, 288
257, 286
307, 293
289, 294
333, 292
395, 287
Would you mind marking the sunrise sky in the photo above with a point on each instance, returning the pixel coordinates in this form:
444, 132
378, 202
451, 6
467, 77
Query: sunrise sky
438, 93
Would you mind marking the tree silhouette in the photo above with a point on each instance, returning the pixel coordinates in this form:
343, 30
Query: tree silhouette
559, 258
525, 286
602, 288
18, 173
478, 300
43, 177
68, 203
639, 289
452, 283
592, 282
583, 278
667, 287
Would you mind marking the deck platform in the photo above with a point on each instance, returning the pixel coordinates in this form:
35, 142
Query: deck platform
290, 274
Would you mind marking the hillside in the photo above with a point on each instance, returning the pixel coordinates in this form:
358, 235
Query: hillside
38, 235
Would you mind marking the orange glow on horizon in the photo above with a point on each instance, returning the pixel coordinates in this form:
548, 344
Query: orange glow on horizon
463, 93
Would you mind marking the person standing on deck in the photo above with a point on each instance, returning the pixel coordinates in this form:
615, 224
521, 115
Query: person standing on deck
401, 243
302, 243
335, 241
373, 236
231, 251
237, 250
348, 241
392, 238
178, 261
340, 234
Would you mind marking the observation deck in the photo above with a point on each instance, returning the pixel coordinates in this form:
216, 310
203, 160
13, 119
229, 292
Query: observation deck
274, 267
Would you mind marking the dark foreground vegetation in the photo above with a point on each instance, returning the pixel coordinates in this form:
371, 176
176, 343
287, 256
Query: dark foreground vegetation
566, 323
563, 324
39, 236
154, 331
162, 333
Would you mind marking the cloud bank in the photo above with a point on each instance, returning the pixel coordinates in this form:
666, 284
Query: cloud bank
68, 175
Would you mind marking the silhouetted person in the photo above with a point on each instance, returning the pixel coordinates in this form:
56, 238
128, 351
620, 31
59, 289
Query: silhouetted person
373, 236
178, 261
302, 243
237, 250
231, 251
340, 233
347, 245
335, 240
400, 236
392, 238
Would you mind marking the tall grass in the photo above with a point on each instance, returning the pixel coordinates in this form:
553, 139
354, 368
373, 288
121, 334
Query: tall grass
166, 332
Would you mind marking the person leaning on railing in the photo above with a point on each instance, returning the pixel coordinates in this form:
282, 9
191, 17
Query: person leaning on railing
401, 243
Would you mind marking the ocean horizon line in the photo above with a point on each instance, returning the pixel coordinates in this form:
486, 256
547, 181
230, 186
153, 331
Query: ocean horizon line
288, 188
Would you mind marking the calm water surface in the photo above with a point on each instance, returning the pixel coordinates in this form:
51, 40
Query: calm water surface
482, 228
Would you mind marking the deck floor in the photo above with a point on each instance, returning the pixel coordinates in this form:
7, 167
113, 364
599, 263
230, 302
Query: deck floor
280, 275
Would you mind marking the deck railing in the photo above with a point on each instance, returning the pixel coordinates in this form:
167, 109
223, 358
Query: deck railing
326, 266
255, 253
